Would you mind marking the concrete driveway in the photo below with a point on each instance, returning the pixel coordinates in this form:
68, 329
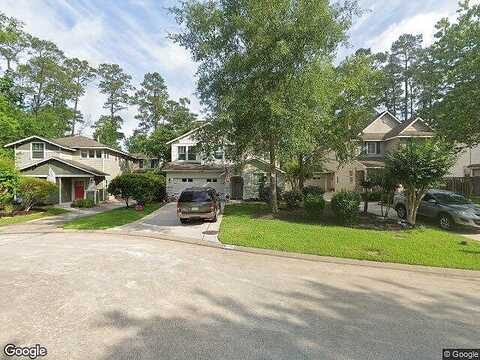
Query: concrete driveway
115, 297
164, 222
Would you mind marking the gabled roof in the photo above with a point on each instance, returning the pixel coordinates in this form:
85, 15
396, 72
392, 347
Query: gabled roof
79, 141
400, 130
53, 142
379, 116
74, 164
186, 134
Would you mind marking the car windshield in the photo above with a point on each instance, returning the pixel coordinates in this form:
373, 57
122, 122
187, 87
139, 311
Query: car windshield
195, 196
451, 199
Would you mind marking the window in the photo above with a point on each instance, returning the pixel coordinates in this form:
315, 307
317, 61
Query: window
106, 155
191, 154
140, 163
153, 163
84, 154
212, 180
187, 180
351, 176
38, 150
372, 147
218, 154
91, 154
98, 153
182, 153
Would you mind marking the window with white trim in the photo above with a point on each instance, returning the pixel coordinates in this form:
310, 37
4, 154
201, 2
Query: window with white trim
98, 154
191, 153
187, 180
182, 152
218, 154
38, 150
372, 147
212, 180
84, 154
91, 154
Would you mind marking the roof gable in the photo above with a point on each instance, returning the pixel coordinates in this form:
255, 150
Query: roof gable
411, 128
74, 164
33, 137
188, 133
382, 124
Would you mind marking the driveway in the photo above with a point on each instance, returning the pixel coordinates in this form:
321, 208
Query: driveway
116, 297
164, 222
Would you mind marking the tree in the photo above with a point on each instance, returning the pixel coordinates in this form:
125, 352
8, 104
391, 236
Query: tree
116, 84
13, 40
80, 74
406, 50
134, 185
419, 166
151, 100
107, 131
34, 191
456, 52
249, 67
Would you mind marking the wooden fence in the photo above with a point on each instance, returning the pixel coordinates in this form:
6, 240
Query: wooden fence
469, 186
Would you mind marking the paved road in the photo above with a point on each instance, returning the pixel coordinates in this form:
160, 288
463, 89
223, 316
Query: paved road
164, 222
113, 297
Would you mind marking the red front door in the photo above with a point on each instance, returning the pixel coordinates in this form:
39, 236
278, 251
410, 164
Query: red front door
79, 190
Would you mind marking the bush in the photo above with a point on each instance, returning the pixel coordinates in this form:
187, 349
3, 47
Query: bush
136, 186
314, 204
83, 203
34, 191
345, 206
264, 194
313, 190
158, 183
293, 198
9, 181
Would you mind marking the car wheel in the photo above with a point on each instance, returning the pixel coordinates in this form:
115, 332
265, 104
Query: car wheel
183, 221
446, 222
401, 212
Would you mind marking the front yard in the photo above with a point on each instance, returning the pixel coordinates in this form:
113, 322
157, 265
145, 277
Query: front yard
251, 225
17, 219
111, 218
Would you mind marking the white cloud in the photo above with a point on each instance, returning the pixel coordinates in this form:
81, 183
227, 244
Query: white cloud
420, 24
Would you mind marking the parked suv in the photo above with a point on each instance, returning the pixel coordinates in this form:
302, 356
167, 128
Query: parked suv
198, 203
446, 207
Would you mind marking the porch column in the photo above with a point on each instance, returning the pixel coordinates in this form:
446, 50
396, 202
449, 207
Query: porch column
59, 190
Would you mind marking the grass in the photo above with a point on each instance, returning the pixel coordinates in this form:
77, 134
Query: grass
250, 225
7, 220
112, 218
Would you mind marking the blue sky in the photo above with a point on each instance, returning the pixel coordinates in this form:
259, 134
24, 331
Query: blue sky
133, 33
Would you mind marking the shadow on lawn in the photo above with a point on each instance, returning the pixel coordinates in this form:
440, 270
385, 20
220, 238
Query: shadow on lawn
316, 321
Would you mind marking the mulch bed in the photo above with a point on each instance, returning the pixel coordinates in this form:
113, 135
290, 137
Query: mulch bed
15, 213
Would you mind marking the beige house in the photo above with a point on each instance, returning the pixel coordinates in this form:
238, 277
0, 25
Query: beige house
384, 134
81, 167
190, 168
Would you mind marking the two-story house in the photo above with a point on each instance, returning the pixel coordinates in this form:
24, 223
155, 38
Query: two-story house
81, 167
385, 133
190, 168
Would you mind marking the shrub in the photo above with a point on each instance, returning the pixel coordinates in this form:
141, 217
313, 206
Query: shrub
34, 191
9, 181
313, 190
133, 185
293, 198
345, 206
314, 204
264, 194
158, 183
83, 203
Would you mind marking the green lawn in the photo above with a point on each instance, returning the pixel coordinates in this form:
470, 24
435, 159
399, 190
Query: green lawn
33, 216
250, 225
109, 219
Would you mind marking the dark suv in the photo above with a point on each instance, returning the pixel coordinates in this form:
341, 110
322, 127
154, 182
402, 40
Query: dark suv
198, 203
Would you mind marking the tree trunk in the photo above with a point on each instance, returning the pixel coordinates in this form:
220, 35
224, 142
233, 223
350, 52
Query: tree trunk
273, 176
301, 175
406, 88
74, 116
412, 206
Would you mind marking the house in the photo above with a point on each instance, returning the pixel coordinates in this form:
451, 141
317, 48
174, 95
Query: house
81, 167
385, 133
190, 168
145, 163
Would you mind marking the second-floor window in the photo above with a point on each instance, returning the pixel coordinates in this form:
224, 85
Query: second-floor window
372, 147
218, 154
38, 150
153, 163
140, 164
187, 153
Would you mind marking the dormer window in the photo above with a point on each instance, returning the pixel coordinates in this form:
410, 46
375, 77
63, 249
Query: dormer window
38, 151
182, 153
372, 147
218, 154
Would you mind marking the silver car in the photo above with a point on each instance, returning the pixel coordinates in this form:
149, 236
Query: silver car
449, 209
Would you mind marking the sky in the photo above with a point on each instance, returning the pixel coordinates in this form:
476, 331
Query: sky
134, 34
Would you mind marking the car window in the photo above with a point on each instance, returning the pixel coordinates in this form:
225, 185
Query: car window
452, 199
195, 196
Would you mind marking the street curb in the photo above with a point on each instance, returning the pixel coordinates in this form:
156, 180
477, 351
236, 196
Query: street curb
438, 271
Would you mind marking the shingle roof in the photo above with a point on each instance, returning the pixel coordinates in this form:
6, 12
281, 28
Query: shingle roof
171, 166
372, 163
78, 141
397, 130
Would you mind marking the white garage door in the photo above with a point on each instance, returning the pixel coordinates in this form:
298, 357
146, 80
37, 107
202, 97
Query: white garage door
176, 184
